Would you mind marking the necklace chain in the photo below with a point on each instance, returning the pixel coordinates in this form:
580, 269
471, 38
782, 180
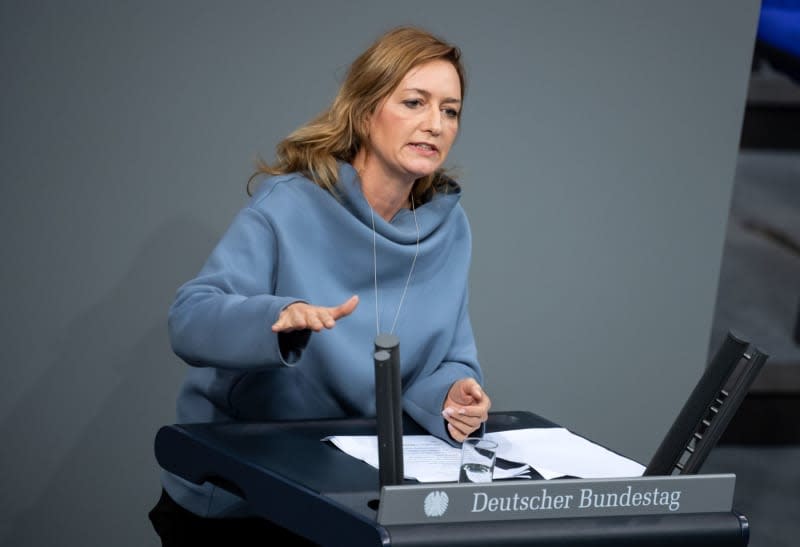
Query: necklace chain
375, 270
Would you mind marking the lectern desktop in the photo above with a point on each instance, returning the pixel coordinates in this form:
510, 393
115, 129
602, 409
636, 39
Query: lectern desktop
291, 477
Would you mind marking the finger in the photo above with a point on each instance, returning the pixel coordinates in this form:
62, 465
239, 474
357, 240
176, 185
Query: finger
297, 318
315, 323
475, 390
283, 324
469, 391
345, 309
475, 396
463, 429
467, 426
464, 400
467, 413
288, 318
456, 433
324, 317
481, 411
288, 326
458, 394
487, 402
327, 321
461, 419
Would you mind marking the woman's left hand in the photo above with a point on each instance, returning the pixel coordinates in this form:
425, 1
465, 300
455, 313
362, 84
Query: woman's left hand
465, 408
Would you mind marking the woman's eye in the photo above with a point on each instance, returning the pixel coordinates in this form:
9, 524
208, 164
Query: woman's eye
412, 103
451, 113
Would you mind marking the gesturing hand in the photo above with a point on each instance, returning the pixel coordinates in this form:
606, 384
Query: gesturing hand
465, 408
300, 316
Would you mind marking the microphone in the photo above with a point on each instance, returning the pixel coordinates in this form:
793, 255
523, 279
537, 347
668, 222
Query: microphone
389, 408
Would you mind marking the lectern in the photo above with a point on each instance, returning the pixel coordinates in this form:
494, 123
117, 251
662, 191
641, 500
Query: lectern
291, 477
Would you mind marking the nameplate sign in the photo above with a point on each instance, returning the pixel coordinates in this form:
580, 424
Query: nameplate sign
563, 498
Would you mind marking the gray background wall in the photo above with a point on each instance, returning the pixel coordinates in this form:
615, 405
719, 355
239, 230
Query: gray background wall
597, 156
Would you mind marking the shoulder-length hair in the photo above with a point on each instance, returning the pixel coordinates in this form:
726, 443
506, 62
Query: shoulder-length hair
337, 133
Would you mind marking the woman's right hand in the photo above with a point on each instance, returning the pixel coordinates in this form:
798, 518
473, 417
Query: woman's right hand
301, 316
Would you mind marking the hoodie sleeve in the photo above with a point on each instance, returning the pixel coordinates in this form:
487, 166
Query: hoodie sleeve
223, 317
423, 399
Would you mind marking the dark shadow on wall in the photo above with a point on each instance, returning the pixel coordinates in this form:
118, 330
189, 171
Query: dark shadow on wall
82, 471
758, 294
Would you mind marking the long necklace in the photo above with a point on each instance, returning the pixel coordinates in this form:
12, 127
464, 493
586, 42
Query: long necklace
375, 270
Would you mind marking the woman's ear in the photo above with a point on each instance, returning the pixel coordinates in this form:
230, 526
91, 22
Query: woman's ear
365, 124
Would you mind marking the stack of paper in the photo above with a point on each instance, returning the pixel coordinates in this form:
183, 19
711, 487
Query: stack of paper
557, 452
425, 458
552, 452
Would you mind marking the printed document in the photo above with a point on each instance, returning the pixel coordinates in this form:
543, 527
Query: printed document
552, 452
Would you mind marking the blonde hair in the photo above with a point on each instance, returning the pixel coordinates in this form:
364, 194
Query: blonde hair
336, 135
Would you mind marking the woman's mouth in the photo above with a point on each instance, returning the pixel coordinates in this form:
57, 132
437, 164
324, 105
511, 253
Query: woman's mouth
425, 148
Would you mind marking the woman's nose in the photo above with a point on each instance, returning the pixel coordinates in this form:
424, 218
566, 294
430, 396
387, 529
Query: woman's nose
434, 122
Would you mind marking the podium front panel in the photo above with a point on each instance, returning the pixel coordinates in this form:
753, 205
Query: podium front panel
289, 476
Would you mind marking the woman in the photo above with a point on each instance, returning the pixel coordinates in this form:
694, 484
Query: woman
356, 231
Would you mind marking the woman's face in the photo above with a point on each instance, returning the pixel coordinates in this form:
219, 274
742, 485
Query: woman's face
412, 130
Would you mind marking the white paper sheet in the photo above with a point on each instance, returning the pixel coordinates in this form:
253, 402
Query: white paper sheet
556, 452
552, 452
425, 458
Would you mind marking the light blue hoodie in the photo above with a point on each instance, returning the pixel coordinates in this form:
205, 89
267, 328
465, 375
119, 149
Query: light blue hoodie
296, 241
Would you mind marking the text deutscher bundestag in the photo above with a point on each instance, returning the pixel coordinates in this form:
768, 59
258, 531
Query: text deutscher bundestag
584, 498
